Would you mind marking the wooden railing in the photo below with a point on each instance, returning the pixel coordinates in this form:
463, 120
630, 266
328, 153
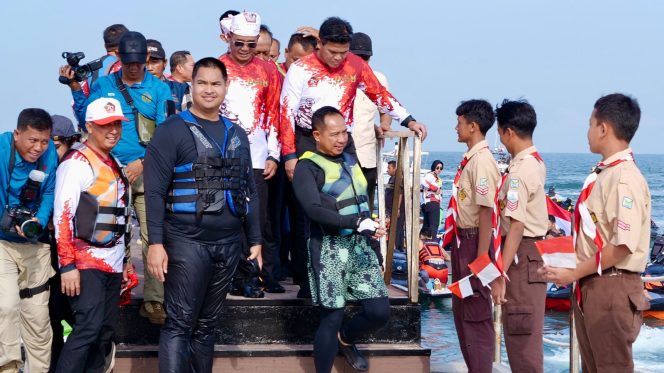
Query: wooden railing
406, 186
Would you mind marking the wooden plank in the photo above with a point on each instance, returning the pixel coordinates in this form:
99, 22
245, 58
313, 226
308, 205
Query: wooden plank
381, 195
393, 134
396, 201
413, 271
413, 292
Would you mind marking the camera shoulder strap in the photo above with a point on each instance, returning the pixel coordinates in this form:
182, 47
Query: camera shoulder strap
123, 89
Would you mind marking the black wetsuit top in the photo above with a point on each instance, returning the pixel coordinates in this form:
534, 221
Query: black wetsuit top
172, 145
308, 181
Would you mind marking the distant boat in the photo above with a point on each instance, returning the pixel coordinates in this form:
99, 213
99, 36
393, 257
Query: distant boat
502, 158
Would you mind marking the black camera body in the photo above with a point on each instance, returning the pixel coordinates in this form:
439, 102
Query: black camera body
80, 72
21, 217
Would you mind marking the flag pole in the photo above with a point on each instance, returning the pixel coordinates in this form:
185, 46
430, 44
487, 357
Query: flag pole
497, 327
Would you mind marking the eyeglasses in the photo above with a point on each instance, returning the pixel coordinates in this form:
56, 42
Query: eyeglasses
439, 168
241, 44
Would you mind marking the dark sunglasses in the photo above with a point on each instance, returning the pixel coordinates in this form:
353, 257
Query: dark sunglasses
241, 44
438, 168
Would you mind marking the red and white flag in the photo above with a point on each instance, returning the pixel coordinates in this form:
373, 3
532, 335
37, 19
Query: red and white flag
462, 288
563, 217
557, 252
484, 269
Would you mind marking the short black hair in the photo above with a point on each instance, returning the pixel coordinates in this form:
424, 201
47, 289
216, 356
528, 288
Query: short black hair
178, 58
112, 35
552, 219
37, 119
621, 112
335, 30
394, 163
227, 13
478, 111
265, 29
518, 115
318, 118
210, 62
307, 42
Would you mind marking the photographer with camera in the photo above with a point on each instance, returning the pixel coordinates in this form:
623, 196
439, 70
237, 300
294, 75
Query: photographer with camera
27, 178
143, 98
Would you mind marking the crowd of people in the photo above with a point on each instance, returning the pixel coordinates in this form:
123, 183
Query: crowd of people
216, 159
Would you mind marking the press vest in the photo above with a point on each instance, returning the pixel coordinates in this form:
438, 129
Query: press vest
99, 207
217, 178
344, 182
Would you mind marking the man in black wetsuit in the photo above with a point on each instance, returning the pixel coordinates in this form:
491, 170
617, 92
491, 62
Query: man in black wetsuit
342, 265
201, 198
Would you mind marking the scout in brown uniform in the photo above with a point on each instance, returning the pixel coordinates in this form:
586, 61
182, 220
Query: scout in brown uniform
524, 219
612, 218
476, 187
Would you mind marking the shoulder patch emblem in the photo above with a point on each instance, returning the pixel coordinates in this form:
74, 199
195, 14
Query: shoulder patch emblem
627, 202
483, 182
462, 195
514, 184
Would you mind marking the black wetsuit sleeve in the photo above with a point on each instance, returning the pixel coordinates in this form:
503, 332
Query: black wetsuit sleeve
307, 181
252, 223
160, 160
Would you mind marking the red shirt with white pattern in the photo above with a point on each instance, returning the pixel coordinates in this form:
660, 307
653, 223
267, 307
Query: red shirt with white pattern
252, 102
310, 84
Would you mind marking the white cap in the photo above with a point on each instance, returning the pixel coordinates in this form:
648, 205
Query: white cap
246, 24
104, 110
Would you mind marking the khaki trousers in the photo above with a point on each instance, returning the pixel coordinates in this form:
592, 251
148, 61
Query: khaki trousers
153, 290
24, 265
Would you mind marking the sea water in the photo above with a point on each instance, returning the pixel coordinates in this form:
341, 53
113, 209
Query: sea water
567, 173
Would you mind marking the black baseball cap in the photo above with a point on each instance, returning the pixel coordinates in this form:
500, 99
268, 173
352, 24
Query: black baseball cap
155, 50
361, 44
133, 48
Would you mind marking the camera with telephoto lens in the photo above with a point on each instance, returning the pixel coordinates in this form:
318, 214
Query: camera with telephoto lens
22, 216
80, 72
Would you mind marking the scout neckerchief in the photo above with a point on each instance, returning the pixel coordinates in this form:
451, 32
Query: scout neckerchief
453, 207
583, 219
495, 220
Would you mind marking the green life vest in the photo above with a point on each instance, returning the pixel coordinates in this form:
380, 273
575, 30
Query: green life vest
345, 183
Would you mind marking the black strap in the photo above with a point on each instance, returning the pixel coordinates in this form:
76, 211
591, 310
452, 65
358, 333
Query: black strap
351, 201
208, 184
115, 228
30, 292
117, 211
123, 89
182, 199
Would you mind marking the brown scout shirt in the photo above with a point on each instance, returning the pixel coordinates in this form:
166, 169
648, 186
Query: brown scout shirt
522, 197
620, 203
477, 185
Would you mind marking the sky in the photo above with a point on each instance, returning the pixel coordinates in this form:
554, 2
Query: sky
559, 55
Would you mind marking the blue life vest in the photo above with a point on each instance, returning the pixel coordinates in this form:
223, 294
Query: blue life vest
217, 178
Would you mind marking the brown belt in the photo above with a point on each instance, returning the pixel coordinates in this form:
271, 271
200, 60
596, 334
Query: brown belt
609, 272
468, 232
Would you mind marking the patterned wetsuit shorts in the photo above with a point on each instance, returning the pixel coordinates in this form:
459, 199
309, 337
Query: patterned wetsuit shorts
344, 268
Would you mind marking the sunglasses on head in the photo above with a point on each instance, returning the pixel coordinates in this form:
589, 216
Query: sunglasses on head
241, 44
